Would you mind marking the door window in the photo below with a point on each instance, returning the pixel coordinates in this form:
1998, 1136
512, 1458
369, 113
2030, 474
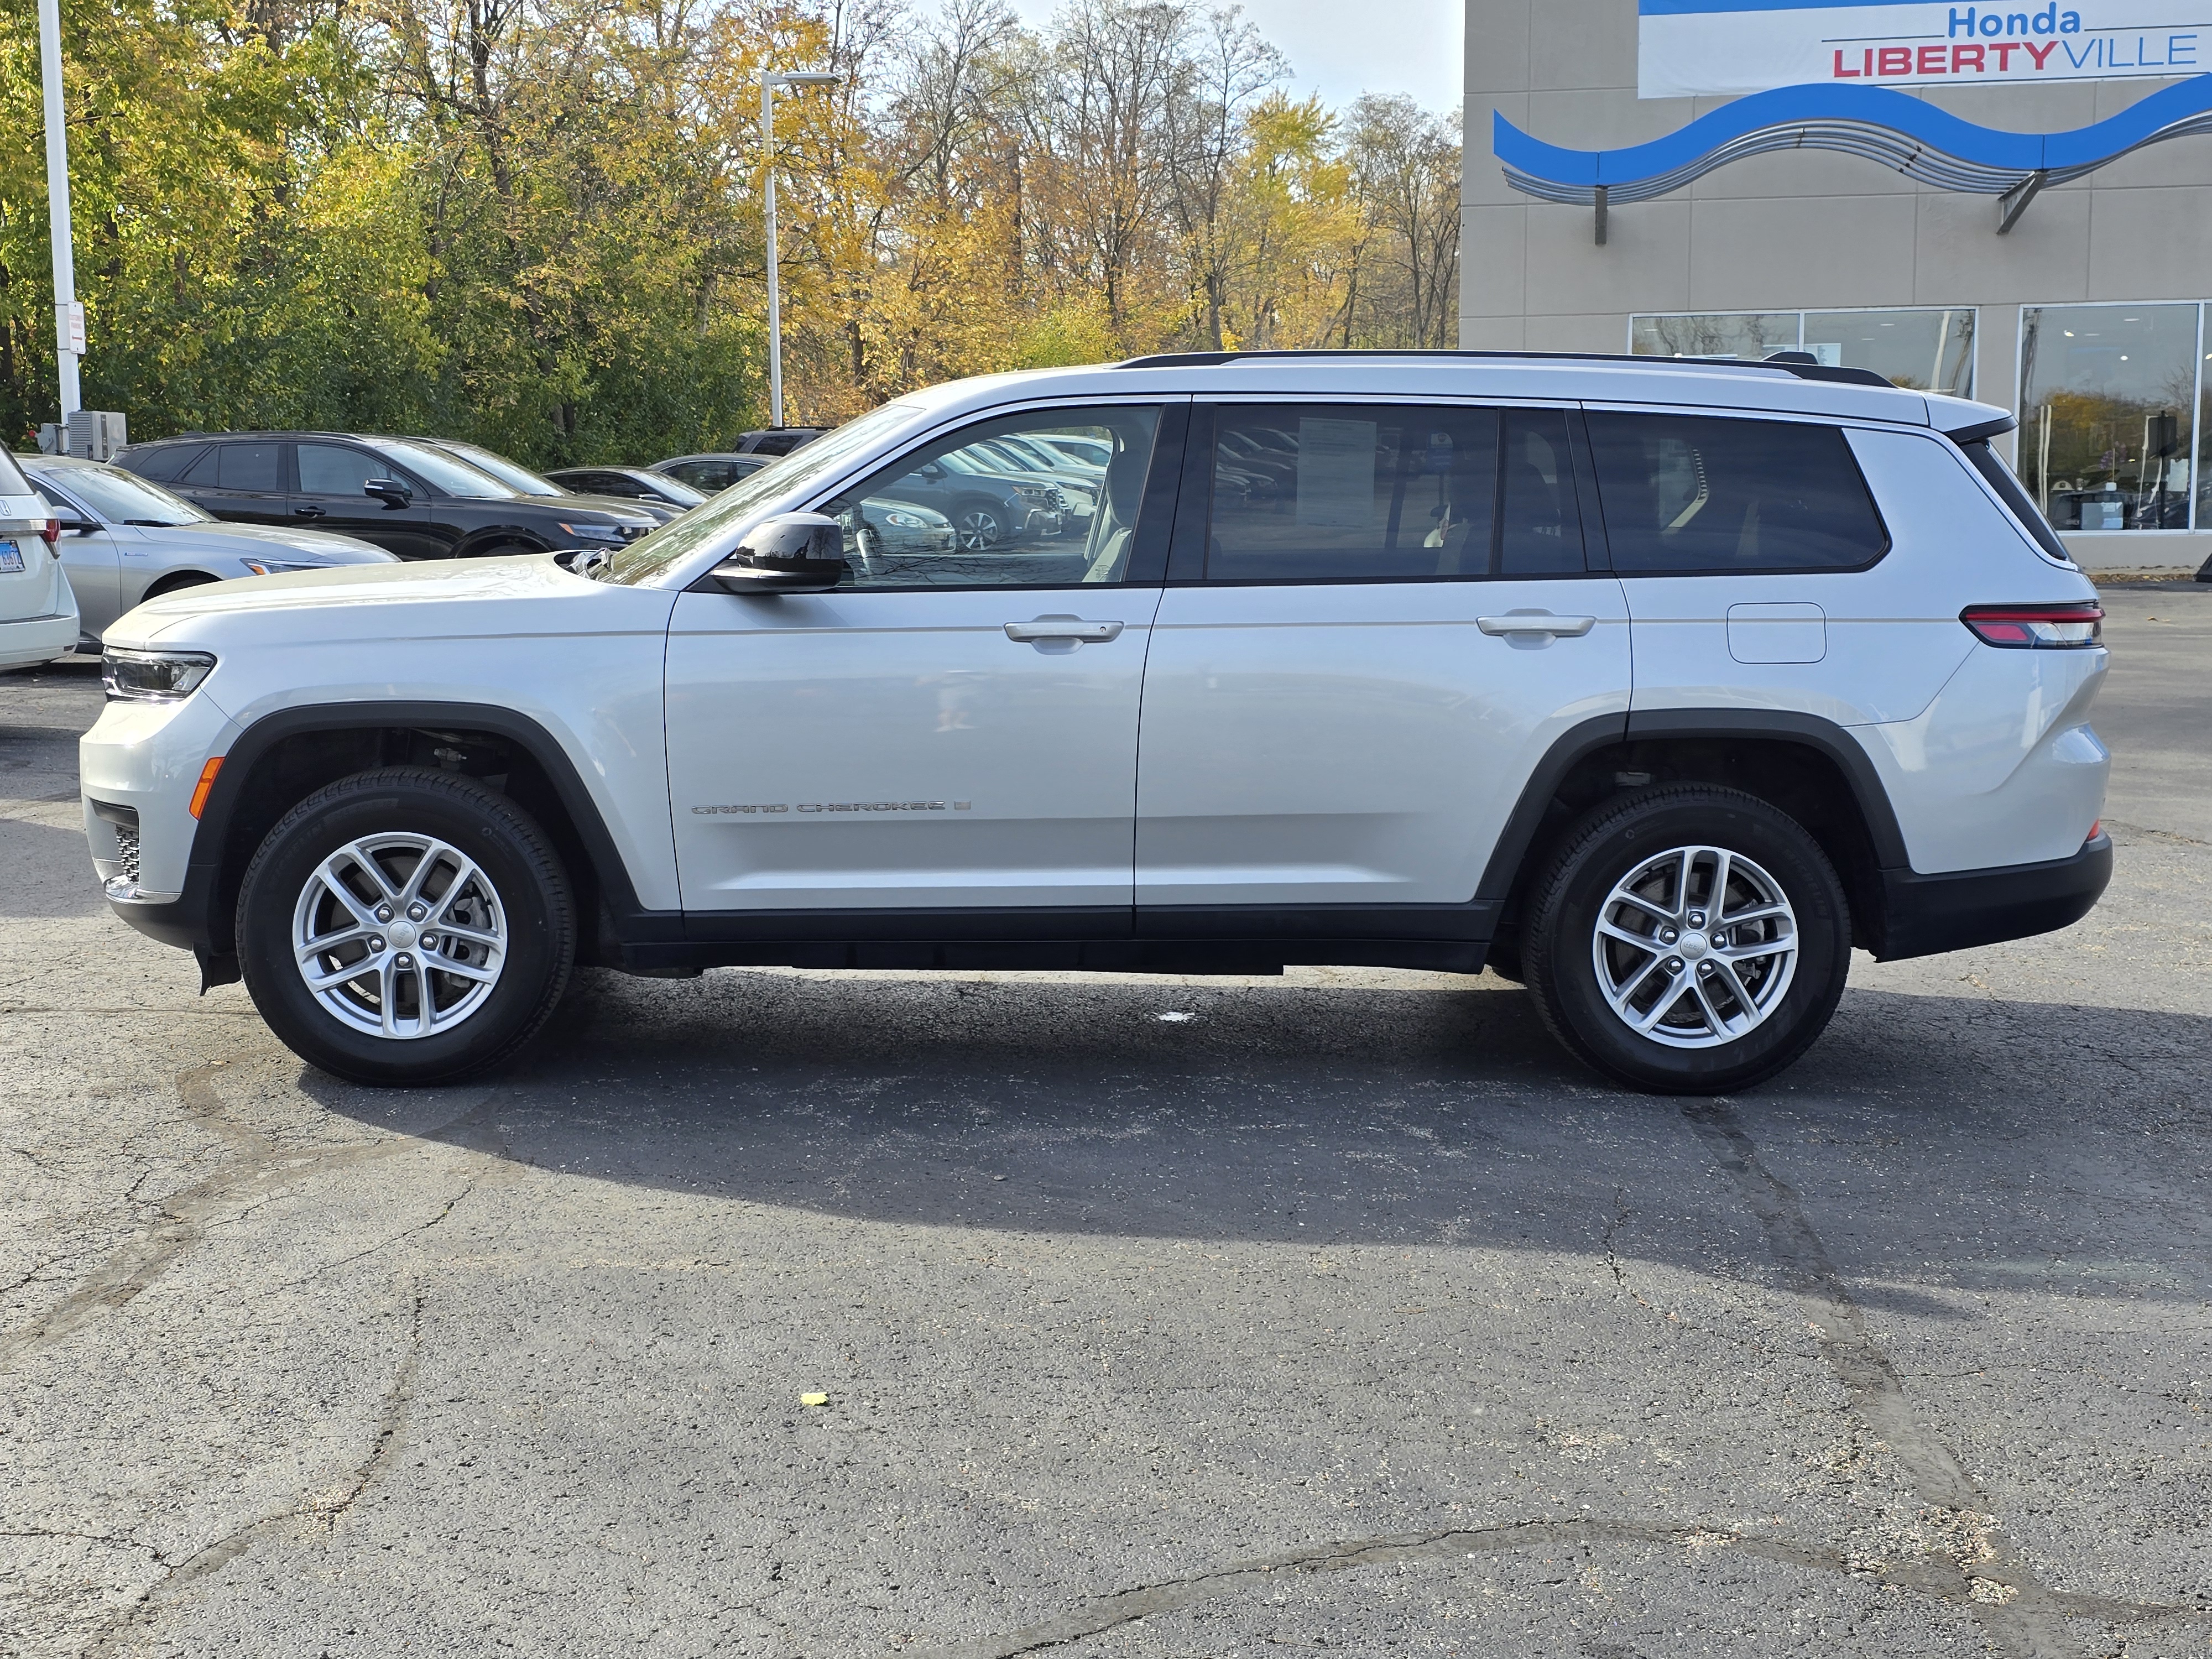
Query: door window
256, 467
1342, 493
977, 510
332, 470
1692, 493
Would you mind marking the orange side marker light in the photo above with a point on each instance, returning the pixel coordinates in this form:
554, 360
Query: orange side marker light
206, 783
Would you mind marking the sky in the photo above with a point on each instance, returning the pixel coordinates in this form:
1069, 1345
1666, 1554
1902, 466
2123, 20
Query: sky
1341, 49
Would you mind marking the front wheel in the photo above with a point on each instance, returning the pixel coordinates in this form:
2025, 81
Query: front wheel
405, 926
979, 527
1691, 940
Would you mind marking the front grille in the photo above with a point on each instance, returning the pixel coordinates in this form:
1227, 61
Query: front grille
126, 855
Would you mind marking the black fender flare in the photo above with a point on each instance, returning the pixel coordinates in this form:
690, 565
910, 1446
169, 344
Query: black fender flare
1609, 731
195, 919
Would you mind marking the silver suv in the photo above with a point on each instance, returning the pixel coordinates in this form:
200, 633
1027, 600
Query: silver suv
1654, 685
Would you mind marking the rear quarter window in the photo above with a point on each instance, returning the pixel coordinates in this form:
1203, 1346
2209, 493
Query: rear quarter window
1696, 495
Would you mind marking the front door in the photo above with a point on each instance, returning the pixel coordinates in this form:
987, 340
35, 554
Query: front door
1396, 622
948, 730
241, 480
331, 496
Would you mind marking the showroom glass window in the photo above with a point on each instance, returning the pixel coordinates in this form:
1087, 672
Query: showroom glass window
1926, 350
2109, 407
1391, 492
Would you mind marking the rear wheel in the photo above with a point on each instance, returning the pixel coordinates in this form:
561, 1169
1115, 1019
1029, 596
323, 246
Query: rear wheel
1691, 940
405, 926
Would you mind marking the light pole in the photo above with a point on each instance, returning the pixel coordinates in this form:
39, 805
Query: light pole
69, 316
768, 84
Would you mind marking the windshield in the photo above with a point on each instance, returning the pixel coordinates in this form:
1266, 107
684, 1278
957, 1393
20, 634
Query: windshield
118, 496
446, 471
512, 473
11, 477
701, 526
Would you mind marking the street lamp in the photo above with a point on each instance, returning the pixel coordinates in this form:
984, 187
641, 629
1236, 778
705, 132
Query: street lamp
768, 84
69, 315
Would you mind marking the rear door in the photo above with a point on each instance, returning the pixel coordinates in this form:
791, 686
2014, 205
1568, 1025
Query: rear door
1395, 618
244, 480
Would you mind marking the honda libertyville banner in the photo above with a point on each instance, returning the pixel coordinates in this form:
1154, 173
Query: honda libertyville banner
1689, 47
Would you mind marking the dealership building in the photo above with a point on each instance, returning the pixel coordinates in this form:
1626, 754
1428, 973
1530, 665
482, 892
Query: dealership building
2007, 201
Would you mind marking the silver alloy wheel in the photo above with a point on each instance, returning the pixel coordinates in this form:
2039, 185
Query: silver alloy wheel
978, 530
399, 935
1695, 947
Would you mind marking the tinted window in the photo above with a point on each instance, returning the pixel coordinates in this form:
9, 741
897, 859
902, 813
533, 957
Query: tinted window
1991, 466
965, 511
250, 467
166, 462
708, 475
1540, 524
201, 469
1391, 493
1692, 493
332, 470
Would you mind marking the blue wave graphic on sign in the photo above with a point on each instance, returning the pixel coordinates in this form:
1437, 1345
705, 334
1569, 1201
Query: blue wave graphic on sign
1901, 132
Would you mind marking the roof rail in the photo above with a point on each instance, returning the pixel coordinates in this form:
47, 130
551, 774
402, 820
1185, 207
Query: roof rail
1803, 365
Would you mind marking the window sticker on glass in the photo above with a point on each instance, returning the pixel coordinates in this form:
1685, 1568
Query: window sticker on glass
1336, 472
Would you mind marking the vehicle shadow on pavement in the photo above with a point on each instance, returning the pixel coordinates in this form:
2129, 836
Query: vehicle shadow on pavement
1323, 1115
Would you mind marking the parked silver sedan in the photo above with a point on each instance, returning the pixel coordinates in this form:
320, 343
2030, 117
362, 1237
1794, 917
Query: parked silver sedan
125, 539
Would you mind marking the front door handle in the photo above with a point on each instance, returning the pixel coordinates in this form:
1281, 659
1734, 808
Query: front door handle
1536, 621
1063, 628
307, 511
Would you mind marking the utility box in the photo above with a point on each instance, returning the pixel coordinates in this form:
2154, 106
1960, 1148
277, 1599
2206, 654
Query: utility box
95, 435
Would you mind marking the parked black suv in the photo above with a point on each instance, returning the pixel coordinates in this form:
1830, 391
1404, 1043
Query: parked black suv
407, 494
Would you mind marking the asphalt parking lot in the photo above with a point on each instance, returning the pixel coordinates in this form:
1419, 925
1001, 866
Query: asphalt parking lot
1152, 1317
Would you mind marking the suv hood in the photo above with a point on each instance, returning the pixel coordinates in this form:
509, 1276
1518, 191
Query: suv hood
236, 539
398, 607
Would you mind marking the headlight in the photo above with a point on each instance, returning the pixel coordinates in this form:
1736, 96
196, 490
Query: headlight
154, 676
277, 566
600, 532
903, 521
1033, 492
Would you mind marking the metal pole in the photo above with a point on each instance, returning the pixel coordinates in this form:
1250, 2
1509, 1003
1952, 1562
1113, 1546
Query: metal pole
775, 297
66, 329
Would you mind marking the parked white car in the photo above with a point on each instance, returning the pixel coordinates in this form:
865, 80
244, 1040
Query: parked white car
38, 611
1656, 685
125, 539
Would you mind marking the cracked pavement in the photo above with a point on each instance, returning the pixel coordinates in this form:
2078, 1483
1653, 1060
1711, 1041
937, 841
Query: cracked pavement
1153, 1317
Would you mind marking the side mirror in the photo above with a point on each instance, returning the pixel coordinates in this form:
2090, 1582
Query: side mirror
389, 491
794, 553
80, 526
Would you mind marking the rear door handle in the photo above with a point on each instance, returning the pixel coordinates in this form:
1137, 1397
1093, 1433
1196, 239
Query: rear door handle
1063, 628
307, 511
1536, 621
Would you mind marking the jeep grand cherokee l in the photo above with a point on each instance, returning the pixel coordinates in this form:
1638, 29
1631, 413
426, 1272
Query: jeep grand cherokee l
1655, 685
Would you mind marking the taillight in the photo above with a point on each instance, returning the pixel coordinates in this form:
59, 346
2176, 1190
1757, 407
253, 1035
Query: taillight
2071, 626
50, 534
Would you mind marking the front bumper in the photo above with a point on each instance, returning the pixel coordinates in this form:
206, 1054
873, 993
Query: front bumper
1924, 915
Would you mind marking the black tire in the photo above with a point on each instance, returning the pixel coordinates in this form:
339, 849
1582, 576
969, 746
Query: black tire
177, 584
527, 884
1561, 942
